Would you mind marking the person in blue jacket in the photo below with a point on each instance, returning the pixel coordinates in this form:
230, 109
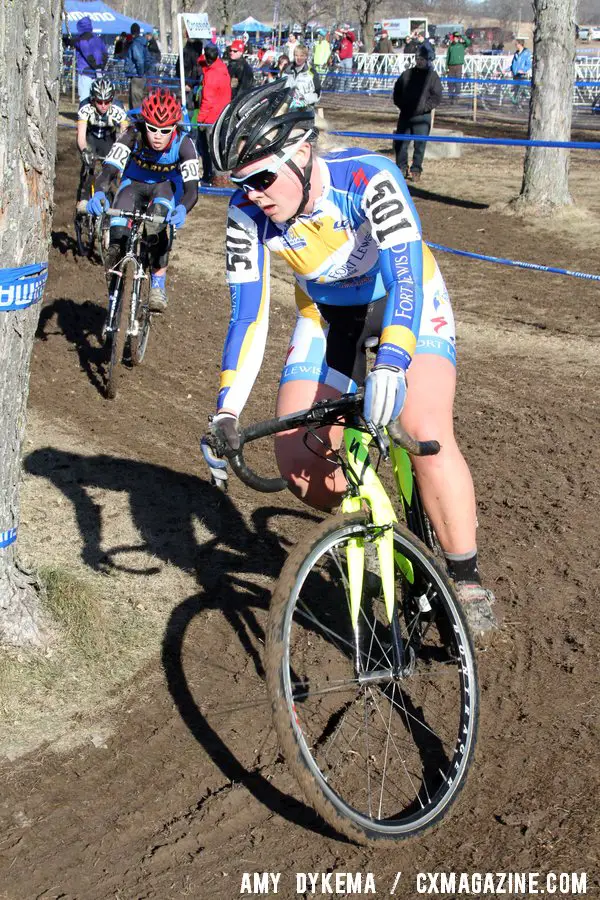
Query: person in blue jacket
90, 56
138, 66
520, 67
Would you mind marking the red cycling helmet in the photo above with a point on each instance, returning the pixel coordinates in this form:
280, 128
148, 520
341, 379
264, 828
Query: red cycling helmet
161, 108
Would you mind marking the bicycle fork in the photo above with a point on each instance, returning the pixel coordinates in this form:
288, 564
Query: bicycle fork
381, 534
114, 296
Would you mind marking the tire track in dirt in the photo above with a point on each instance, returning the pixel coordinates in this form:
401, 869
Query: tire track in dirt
189, 791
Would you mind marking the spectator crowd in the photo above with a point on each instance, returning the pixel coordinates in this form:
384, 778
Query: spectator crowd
214, 76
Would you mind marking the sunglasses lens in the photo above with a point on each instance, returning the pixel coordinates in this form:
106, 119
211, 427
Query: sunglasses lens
154, 129
257, 181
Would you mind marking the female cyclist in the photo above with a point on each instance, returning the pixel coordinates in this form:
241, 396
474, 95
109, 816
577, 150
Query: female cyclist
346, 225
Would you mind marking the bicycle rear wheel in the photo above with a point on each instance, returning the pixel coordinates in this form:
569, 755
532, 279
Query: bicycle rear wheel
380, 755
118, 336
139, 341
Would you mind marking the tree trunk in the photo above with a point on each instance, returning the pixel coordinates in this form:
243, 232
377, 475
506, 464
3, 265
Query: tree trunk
546, 170
174, 33
368, 27
164, 25
29, 67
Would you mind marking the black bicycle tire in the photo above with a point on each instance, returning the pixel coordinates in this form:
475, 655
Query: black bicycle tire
118, 337
84, 248
321, 798
139, 343
102, 230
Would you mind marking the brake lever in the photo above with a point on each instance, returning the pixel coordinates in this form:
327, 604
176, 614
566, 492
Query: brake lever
380, 438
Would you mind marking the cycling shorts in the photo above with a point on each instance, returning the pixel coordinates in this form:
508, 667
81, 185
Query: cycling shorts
327, 345
157, 199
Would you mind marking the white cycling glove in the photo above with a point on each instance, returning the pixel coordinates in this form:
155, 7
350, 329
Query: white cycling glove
385, 393
226, 426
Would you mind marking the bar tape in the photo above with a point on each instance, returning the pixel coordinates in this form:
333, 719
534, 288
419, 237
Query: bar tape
22, 287
7, 537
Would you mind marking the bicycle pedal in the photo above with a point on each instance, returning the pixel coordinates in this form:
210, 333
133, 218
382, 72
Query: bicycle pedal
135, 330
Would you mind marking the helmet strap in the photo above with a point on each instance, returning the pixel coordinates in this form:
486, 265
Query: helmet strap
304, 178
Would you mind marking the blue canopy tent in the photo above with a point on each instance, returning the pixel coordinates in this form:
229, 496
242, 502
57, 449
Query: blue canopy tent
252, 26
105, 21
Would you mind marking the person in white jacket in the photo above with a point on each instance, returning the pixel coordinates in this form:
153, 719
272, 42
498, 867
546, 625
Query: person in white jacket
303, 79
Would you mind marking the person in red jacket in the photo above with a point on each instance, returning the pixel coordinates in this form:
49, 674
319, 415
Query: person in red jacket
216, 95
345, 50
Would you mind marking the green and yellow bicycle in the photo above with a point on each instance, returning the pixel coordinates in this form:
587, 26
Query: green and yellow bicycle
370, 666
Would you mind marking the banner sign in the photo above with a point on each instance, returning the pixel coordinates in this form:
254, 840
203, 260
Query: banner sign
22, 287
197, 26
8, 537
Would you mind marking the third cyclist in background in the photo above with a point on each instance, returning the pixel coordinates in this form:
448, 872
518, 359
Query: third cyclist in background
99, 119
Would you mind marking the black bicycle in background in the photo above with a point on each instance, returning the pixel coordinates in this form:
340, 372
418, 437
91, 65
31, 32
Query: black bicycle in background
91, 232
129, 319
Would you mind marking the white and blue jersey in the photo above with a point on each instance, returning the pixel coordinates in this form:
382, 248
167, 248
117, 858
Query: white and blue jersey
361, 244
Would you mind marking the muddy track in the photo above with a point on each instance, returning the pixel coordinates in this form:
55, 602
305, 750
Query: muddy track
189, 790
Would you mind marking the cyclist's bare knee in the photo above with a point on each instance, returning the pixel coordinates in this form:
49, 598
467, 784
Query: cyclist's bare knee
315, 480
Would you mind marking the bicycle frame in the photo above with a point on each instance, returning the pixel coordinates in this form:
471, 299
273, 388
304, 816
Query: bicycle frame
364, 487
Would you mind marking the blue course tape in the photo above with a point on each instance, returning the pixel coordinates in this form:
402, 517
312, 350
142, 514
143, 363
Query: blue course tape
216, 191
22, 287
227, 192
7, 537
514, 263
444, 139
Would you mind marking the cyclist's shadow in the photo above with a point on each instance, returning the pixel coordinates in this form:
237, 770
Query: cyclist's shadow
81, 324
168, 509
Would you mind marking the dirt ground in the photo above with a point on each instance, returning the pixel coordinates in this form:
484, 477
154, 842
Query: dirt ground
172, 786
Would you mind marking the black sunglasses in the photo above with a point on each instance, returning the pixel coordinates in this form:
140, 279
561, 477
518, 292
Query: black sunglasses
256, 181
263, 179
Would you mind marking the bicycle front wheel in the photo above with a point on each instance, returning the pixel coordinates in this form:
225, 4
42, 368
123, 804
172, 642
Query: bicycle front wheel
103, 237
85, 233
139, 341
118, 335
380, 750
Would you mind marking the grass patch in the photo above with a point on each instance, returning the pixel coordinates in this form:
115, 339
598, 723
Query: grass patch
76, 608
102, 639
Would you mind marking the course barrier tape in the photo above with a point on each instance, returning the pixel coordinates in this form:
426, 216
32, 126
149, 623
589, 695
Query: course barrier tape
170, 79
228, 192
513, 262
216, 191
447, 139
7, 537
22, 287
555, 270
